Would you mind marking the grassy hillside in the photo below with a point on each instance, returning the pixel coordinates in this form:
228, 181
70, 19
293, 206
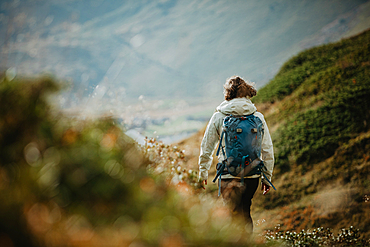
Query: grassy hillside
323, 96
318, 110
318, 107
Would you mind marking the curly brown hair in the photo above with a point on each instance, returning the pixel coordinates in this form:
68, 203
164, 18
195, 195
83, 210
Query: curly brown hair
236, 87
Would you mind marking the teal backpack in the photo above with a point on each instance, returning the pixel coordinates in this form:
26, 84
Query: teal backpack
243, 142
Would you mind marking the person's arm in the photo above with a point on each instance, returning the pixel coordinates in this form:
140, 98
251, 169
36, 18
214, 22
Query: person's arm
209, 143
267, 153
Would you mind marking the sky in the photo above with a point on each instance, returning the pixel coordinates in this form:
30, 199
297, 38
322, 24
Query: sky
113, 52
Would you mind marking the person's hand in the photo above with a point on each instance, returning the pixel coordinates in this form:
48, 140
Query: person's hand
265, 188
204, 183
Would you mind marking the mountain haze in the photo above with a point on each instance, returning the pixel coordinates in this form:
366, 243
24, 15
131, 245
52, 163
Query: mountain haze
164, 49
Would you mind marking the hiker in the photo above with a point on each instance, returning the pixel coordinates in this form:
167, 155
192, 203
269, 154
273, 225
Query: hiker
238, 94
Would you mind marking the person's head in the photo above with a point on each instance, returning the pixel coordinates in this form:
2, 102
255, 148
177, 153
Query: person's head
236, 87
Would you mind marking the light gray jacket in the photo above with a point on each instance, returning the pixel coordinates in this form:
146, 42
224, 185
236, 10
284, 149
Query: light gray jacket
237, 106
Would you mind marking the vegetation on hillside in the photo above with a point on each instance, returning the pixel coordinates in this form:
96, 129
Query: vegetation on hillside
323, 96
318, 108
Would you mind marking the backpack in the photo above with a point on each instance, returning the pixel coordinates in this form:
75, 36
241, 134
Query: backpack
243, 143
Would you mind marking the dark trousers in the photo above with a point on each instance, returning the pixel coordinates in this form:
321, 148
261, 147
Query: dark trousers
240, 197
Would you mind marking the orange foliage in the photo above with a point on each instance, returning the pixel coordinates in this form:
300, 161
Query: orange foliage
70, 136
298, 218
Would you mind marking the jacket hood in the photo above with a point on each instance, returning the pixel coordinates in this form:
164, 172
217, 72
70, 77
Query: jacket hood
237, 106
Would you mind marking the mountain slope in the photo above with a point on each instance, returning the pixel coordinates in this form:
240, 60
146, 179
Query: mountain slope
318, 111
320, 120
323, 95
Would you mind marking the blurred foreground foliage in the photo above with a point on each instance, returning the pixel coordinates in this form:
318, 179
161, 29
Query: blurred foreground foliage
72, 182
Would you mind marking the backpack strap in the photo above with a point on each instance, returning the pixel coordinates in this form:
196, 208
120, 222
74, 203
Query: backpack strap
219, 171
220, 144
243, 168
219, 174
219, 186
264, 176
